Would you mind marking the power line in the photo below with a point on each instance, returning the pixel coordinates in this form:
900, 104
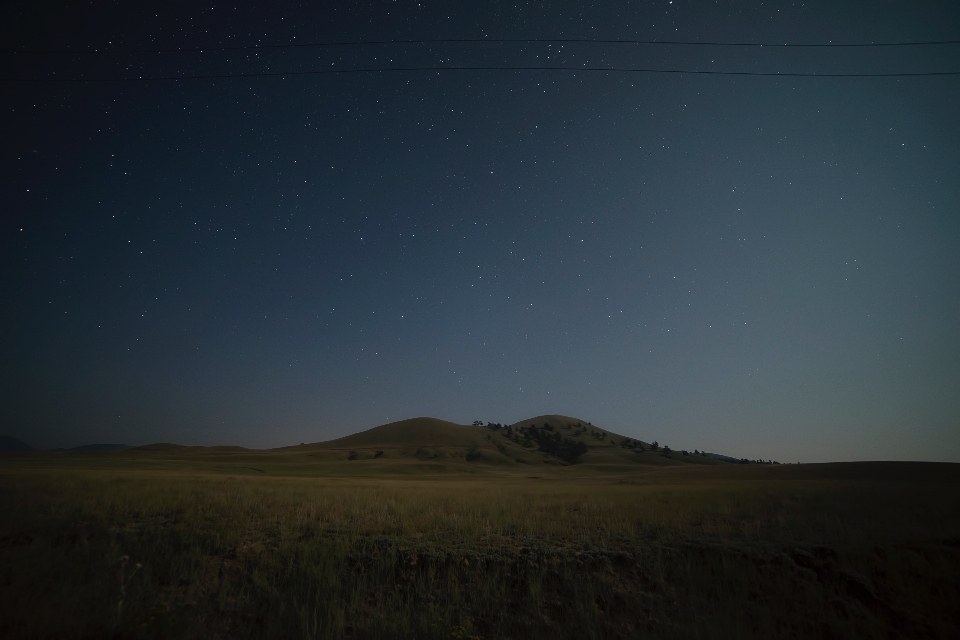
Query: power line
485, 40
267, 74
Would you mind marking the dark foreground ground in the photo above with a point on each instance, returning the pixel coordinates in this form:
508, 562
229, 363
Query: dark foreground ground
150, 545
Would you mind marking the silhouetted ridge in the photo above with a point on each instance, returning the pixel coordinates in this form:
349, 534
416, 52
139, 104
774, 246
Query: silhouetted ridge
422, 431
100, 447
9, 444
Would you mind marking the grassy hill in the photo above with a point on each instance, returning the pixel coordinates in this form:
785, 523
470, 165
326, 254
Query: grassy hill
553, 440
605, 447
422, 439
416, 446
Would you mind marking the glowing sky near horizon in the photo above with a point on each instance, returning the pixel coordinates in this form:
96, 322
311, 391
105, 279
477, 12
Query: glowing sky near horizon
756, 266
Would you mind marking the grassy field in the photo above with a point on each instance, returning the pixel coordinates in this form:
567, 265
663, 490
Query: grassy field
232, 543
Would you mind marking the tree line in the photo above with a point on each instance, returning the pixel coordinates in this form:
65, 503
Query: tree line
547, 439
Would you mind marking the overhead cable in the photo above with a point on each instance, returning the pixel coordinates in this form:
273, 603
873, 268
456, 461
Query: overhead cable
267, 74
354, 43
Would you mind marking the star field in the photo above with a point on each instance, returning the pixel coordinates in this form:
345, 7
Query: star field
765, 267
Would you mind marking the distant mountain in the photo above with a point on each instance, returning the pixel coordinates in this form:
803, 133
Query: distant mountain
100, 447
166, 447
9, 444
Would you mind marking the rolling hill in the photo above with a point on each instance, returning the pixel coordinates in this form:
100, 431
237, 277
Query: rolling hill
553, 440
424, 445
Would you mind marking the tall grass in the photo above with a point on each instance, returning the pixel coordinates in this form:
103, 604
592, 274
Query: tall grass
138, 554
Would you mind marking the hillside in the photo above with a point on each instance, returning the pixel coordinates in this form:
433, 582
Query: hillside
554, 440
424, 439
598, 445
424, 445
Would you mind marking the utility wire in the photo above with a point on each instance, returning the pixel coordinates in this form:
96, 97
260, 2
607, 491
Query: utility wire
484, 40
438, 69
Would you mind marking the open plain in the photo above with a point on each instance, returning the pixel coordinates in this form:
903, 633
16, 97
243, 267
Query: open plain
423, 529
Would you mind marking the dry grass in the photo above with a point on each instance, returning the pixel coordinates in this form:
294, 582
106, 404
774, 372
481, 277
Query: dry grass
93, 547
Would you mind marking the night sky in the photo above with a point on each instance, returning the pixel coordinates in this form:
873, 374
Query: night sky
758, 266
